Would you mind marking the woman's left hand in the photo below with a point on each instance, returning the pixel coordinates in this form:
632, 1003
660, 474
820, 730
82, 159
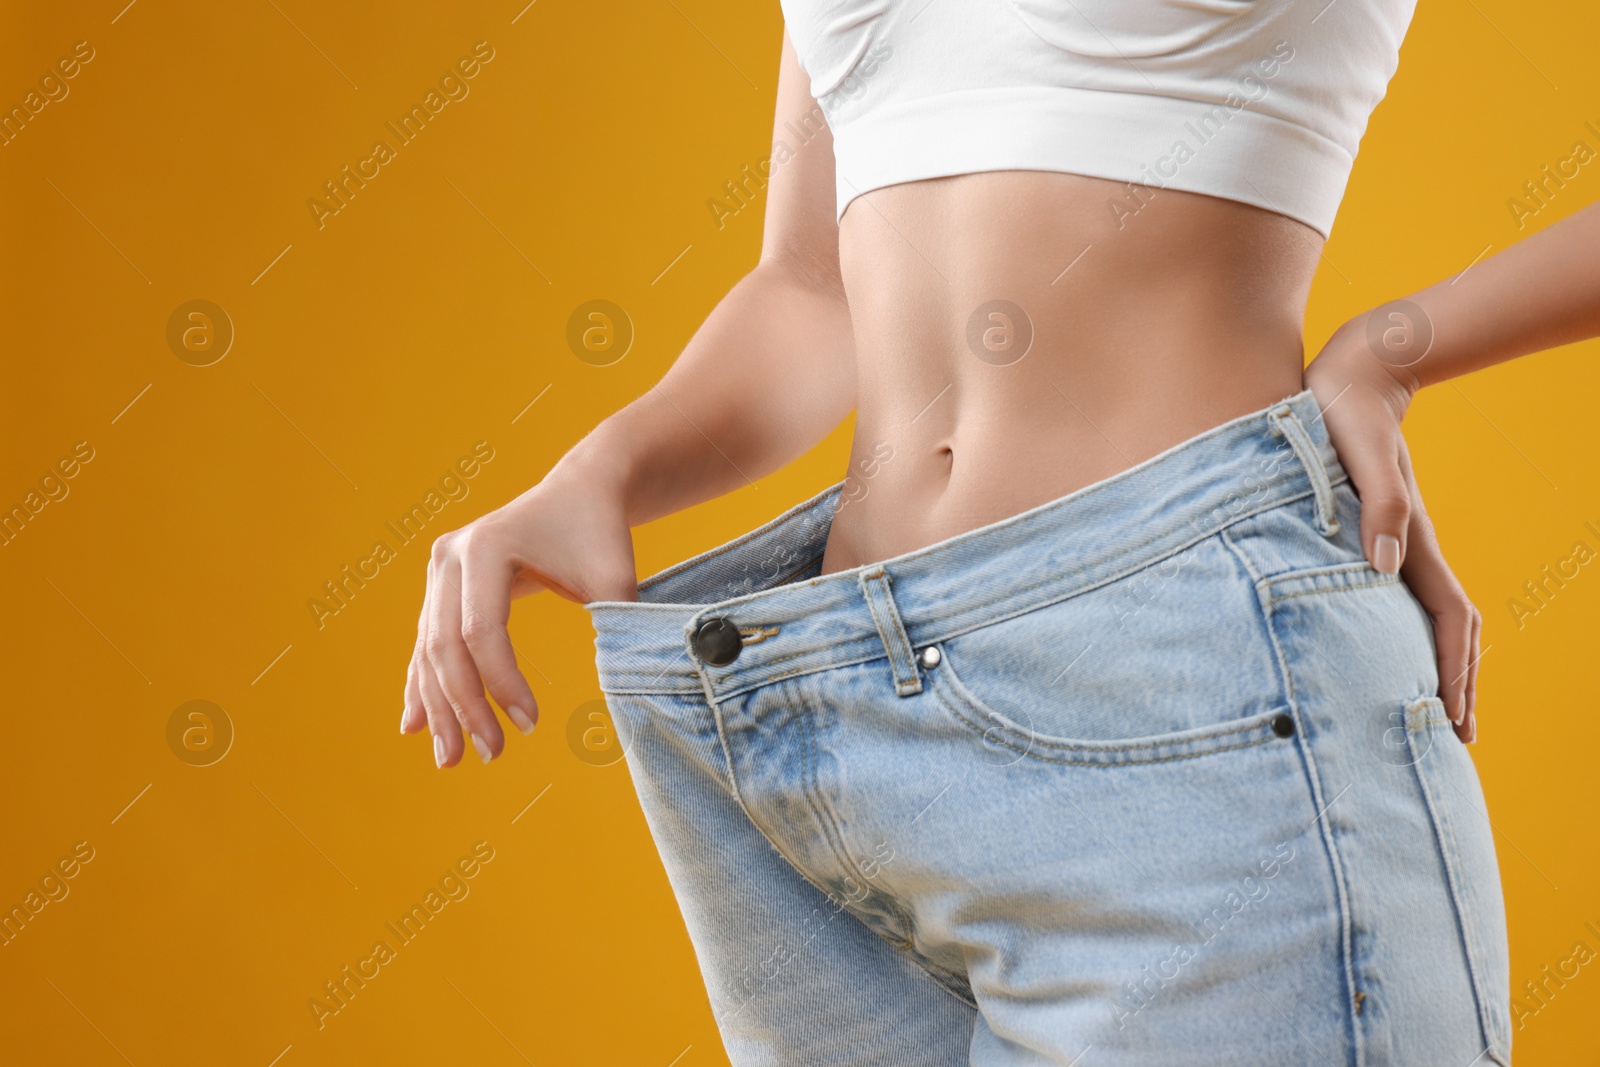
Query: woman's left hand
1363, 400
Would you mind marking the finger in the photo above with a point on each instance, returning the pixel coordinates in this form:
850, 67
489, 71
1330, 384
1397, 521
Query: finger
1452, 629
486, 606
1468, 730
415, 714
1457, 669
1372, 459
412, 715
442, 724
453, 665
1477, 654
1435, 586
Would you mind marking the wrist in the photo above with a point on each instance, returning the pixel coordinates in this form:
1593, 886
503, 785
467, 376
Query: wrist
599, 464
1377, 352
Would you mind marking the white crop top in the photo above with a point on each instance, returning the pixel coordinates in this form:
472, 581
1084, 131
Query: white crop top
1262, 101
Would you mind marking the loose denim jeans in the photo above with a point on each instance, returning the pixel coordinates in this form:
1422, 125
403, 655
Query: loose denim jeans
1153, 774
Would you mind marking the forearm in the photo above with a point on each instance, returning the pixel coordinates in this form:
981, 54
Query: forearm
768, 374
1540, 293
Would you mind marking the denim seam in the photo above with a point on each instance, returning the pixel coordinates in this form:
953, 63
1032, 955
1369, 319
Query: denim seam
1323, 590
1445, 837
1121, 476
1263, 584
1129, 570
869, 641
1325, 571
955, 985
890, 629
733, 786
1206, 750
1072, 592
787, 578
1288, 423
813, 790
1314, 782
805, 507
1132, 568
811, 786
615, 675
738, 542
1088, 587
1450, 850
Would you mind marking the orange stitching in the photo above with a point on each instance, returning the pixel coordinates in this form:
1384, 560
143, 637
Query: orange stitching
754, 635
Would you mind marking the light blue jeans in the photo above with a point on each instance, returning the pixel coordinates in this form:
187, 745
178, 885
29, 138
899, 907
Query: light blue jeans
1152, 774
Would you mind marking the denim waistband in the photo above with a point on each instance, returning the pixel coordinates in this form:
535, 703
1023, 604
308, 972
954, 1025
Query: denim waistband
793, 620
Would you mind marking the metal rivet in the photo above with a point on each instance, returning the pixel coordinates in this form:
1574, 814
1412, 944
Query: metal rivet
1283, 725
929, 657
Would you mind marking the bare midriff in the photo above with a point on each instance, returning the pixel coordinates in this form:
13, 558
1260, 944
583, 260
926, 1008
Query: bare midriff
1018, 338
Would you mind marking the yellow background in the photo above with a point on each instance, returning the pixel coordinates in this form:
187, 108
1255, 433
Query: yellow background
425, 317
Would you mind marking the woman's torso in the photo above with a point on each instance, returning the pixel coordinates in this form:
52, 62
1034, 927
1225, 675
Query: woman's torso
984, 151
1017, 339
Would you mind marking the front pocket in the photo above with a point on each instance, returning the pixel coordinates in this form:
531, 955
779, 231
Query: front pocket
1176, 645
1011, 740
1466, 842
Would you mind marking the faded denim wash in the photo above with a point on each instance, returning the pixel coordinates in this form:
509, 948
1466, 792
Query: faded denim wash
1176, 789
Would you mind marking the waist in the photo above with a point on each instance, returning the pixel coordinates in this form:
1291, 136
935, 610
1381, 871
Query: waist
1016, 339
769, 581
904, 490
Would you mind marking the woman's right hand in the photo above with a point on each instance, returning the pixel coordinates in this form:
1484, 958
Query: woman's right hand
569, 534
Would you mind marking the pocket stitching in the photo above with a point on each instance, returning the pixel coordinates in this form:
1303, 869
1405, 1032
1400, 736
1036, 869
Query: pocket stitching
1322, 590
1109, 753
1449, 851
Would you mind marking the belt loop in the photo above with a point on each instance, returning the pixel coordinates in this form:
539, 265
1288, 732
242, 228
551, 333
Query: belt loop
880, 601
1285, 423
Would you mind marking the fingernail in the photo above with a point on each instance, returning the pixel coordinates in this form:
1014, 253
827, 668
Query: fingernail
404, 714
1472, 728
1386, 553
520, 717
438, 750
483, 749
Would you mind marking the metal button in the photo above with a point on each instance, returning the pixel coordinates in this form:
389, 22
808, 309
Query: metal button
1283, 726
717, 641
929, 657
